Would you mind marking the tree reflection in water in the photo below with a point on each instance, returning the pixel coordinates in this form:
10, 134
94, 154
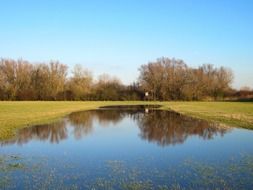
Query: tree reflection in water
170, 128
54, 132
161, 127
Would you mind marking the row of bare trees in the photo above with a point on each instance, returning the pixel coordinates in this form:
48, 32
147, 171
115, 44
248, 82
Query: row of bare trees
172, 79
21, 80
164, 79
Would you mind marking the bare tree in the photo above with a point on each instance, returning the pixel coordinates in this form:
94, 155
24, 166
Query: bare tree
81, 82
108, 88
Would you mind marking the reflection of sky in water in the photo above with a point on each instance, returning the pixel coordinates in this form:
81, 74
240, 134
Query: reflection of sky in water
159, 141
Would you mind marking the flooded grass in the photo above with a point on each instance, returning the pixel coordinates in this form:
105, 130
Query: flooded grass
16, 115
190, 174
127, 149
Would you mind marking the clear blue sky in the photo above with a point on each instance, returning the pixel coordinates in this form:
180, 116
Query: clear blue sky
116, 37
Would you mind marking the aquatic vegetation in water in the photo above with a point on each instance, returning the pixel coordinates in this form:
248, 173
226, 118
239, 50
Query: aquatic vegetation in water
9, 164
118, 174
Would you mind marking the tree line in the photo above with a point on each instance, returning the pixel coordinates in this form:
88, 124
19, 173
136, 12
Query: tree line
164, 79
22, 80
172, 79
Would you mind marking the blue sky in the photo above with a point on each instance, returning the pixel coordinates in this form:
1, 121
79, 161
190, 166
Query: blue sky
116, 37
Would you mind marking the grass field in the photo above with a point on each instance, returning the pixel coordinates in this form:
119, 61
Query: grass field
15, 115
237, 114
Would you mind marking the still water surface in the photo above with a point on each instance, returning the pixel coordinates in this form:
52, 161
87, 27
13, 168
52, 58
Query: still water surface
117, 148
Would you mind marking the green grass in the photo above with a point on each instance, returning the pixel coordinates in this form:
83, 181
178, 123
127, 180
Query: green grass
237, 114
16, 115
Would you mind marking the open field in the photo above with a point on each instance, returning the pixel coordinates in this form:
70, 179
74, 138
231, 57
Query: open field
237, 114
16, 115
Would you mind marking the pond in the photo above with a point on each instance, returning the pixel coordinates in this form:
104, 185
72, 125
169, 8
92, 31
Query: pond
128, 148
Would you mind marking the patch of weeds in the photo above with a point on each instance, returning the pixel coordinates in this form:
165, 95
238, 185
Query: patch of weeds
116, 166
8, 165
141, 185
102, 183
4, 182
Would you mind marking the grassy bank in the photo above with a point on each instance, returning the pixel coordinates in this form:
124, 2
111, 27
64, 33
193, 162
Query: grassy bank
15, 115
237, 114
